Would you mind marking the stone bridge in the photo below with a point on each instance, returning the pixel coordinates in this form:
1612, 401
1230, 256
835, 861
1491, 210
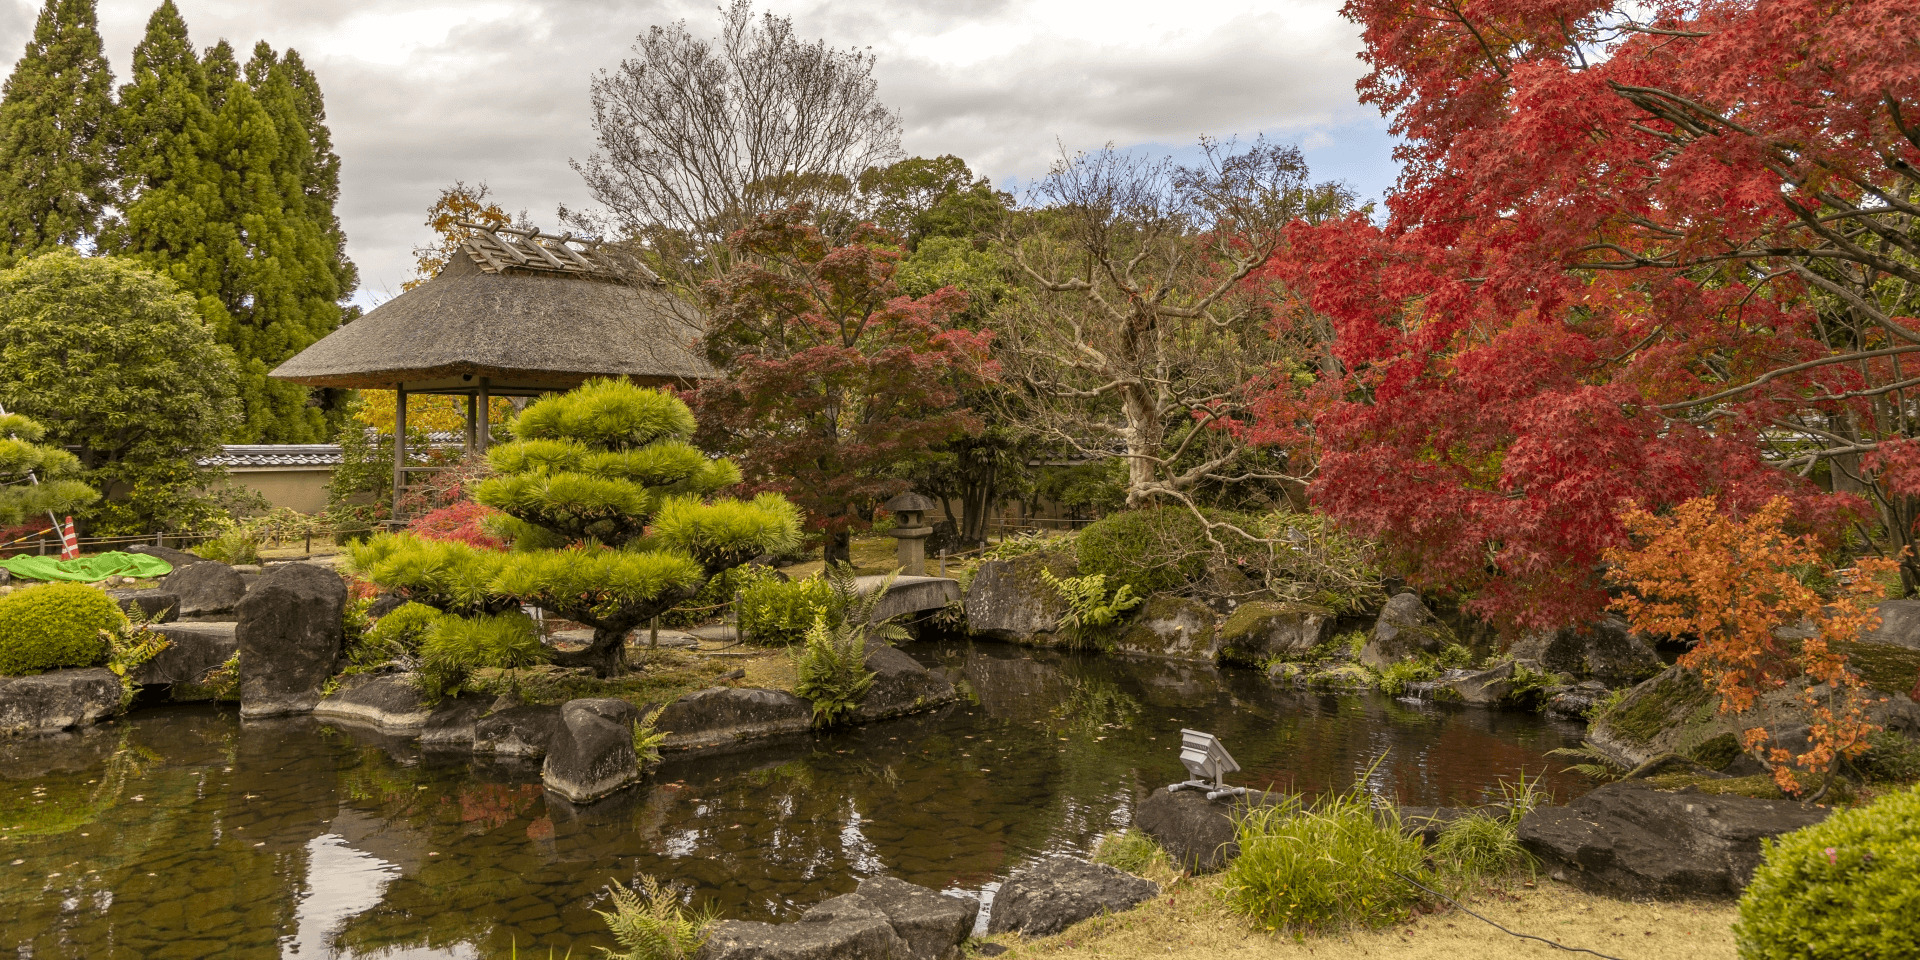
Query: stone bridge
910, 595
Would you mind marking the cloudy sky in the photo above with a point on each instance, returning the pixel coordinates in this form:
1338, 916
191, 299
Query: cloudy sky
424, 92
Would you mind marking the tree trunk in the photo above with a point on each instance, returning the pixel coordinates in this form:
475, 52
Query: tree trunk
606, 655
839, 547
1143, 443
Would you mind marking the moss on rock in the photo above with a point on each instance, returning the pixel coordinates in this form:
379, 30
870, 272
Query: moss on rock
1262, 631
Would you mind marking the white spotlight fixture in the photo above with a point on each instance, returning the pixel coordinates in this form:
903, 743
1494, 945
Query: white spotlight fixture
1208, 761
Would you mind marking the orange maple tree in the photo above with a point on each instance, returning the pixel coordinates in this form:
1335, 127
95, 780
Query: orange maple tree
1730, 584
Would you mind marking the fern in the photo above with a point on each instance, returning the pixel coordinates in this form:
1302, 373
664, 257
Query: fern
649, 923
647, 740
1594, 764
831, 664
1091, 612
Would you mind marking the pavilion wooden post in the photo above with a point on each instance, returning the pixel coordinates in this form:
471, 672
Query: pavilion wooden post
399, 445
470, 425
486, 414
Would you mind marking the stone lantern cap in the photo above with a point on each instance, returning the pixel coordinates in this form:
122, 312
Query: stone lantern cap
909, 502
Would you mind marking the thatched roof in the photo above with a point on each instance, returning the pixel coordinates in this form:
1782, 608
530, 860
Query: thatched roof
508, 311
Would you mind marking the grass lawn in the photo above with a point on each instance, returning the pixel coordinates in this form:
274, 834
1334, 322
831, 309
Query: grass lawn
1187, 922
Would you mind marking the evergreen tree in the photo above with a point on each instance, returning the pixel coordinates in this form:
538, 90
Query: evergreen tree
54, 114
222, 71
216, 164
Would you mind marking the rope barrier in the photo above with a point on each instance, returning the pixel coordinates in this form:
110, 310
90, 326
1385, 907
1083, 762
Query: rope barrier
1524, 936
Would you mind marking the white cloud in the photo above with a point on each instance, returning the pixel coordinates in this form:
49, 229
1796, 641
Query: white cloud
420, 94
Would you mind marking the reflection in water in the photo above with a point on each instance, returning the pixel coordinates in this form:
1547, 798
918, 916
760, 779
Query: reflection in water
181, 832
341, 882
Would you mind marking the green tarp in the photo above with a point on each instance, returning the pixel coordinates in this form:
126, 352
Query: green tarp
87, 569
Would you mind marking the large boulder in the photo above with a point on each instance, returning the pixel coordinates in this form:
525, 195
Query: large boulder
1676, 712
206, 589
1051, 896
1196, 832
290, 636
900, 685
1170, 626
1606, 651
1009, 600
389, 701
933, 924
849, 931
520, 730
151, 605
718, 718
1262, 631
1404, 628
193, 650
1630, 840
56, 701
1487, 688
591, 754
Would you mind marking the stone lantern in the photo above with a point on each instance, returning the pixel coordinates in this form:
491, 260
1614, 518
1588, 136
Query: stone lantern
911, 529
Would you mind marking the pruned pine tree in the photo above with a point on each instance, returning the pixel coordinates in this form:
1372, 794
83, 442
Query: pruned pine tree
36, 479
54, 116
611, 515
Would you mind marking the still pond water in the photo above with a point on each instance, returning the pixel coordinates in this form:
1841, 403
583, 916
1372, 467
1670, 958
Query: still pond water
181, 832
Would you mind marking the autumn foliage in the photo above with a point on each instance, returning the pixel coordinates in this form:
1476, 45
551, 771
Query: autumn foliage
1731, 586
833, 378
1641, 252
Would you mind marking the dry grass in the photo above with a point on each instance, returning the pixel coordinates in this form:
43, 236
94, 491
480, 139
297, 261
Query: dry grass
870, 555
1188, 922
773, 670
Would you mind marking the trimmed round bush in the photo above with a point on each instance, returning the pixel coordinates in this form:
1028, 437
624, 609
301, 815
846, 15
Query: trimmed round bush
1153, 551
1841, 888
773, 612
55, 626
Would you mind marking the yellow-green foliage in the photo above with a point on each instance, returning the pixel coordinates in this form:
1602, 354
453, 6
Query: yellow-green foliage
454, 647
1091, 610
610, 414
1841, 888
396, 636
596, 578
729, 528
1132, 851
55, 626
440, 573
773, 612
57, 492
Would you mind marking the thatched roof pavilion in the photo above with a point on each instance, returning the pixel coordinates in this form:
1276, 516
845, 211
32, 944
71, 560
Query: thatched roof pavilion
515, 312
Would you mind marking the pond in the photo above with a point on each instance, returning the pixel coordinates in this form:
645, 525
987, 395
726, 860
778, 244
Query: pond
181, 832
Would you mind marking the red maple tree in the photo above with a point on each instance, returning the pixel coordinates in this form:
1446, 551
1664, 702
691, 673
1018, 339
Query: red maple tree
832, 381
1639, 253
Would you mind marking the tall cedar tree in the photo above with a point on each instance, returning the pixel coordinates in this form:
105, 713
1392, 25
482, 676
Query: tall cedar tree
1639, 253
54, 116
613, 518
833, 381
227, 189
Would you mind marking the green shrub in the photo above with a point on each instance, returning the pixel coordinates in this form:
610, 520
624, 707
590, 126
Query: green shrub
1890, 758
235, 545
832, 664
1131, 851
1157, 550
777, 613
395, 637
710, 603
650, 923
55, 626
1322, 865
454, 647
1841, 888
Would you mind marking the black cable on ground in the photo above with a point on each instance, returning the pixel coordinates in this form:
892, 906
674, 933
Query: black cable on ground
1524, 936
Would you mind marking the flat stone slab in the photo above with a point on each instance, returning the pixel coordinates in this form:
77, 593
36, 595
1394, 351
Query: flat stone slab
932, 923
721, 717
518, 731
56, 701
389, 701
868, 938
